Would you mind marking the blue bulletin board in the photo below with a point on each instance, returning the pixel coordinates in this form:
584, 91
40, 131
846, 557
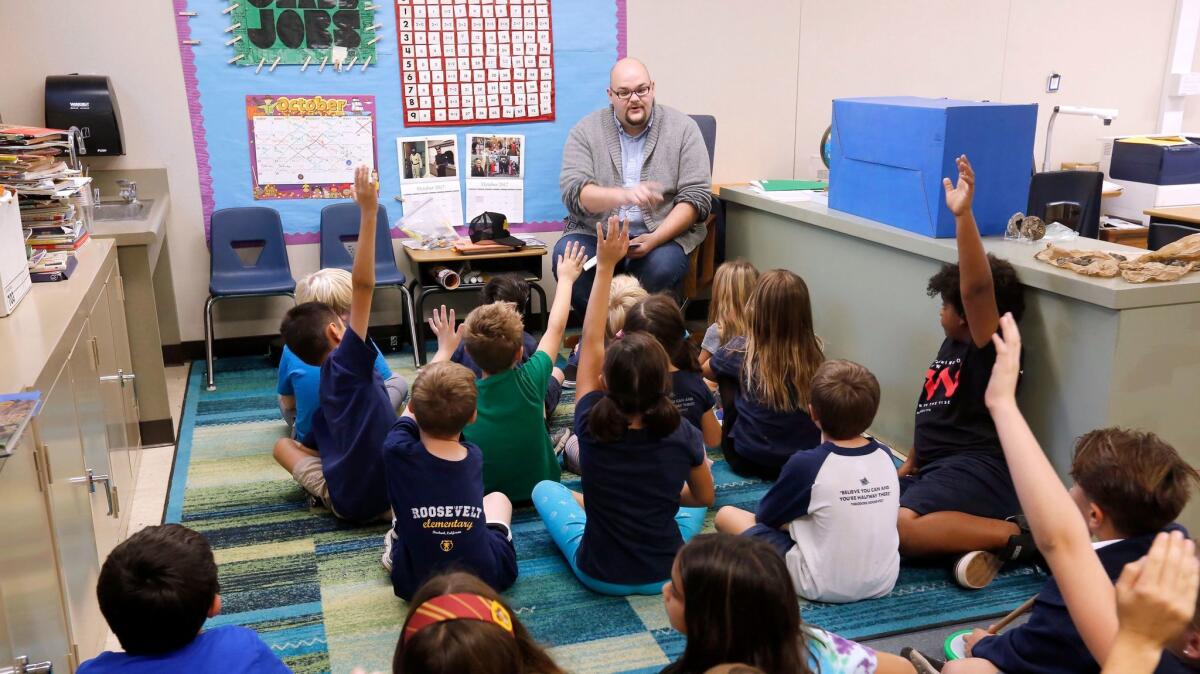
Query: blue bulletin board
589, 36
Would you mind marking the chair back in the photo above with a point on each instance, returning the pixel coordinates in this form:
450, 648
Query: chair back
1069, 197
339, 225
1162, 233
708, 130
235, 228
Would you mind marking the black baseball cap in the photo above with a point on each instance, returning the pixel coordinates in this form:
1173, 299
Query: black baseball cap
490, 226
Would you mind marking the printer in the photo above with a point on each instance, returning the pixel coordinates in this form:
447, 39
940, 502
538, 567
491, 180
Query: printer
87, 102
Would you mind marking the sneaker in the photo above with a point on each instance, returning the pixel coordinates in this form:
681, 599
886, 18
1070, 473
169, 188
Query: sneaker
975, 570
559, 440
389, 539
569, 374
1021, 547
570, 455
924, 664
314, 502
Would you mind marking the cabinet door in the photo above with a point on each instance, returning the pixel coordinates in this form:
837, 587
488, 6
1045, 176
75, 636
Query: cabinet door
57, 431
124, 362
93, 432
111, 388
32, 622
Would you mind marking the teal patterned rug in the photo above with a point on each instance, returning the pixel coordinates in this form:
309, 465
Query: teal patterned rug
315, 591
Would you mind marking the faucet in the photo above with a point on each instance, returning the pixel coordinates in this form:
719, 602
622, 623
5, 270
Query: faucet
128, 191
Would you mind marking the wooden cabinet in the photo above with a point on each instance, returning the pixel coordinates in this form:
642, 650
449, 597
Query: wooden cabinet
73, 472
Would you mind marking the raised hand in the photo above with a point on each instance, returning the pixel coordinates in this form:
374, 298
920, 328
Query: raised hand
441, 323
1003, 385
570, 263
960, 195
366, 189
1156, 595
613, 244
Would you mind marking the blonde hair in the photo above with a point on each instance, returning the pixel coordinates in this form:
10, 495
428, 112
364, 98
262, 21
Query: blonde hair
732, 285
782, 351
493, 335
331, 287
624, 292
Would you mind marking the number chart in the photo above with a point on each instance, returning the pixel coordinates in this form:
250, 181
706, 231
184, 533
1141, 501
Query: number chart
465, 62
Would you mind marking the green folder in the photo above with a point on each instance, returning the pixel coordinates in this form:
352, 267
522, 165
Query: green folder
793, 185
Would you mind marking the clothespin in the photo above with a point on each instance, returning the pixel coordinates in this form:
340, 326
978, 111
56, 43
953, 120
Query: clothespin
192, 42
354, 60
375, 39
366, 63
236, 38
323, 62
231, 8
187, 14
307, 60
235, 59
371, 6
277, 60
374, 26
233, 28
260, 65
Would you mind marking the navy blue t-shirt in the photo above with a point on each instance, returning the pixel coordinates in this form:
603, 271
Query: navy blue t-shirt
348, 429
222, 650
438, 505
761, 434
1049, 643
463, 358
691, 396
631, 493
951, 415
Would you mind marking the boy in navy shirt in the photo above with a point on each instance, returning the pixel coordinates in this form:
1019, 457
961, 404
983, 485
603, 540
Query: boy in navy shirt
1129, 487
156, 589
340, 461
956, 495
832, 512
435, 482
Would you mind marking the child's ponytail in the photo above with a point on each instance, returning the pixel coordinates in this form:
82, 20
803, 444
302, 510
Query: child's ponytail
662, 418
606, 420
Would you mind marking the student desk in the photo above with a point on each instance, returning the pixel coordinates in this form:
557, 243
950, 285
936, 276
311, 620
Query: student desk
527, 262
1098, 352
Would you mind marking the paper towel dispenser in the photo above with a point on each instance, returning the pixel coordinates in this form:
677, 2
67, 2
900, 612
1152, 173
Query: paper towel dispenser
86, 101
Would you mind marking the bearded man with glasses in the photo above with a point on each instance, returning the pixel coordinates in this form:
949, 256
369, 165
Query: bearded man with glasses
639, 161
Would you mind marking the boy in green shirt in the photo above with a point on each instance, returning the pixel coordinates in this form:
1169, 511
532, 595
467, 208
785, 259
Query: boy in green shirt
511, 424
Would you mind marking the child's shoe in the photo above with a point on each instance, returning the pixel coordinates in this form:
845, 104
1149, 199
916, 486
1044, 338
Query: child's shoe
924, 664
388, 540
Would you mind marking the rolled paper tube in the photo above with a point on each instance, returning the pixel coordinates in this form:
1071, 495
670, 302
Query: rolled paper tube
446, 278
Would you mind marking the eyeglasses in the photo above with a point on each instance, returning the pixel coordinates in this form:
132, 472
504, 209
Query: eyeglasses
640, 92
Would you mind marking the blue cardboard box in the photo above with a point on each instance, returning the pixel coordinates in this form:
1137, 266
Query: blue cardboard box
1156, 164
891, 153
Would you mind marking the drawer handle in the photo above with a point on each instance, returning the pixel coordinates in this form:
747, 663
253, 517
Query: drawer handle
21, 665
120, 377
90, 480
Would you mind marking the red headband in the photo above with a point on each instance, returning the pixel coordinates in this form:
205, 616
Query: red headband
458, 607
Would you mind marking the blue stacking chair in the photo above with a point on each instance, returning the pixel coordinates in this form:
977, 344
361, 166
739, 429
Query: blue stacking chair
270, 274
339, 225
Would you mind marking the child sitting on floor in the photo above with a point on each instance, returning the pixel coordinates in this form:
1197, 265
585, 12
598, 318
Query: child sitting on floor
1129, 487
956, 494
659, 316
457, 624
731, 288
510, 427
299, 382
832, 513
338, 462
636, 454
443, 520
733, 599
156, 589
770, 373
624, 292
514, 289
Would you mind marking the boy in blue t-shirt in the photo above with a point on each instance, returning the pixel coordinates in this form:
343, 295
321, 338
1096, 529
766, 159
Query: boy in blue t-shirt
832, 513
340, 461
299, 383
443, 519
156, 589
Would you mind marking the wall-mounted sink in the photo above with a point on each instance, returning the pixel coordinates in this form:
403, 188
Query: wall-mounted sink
107, 211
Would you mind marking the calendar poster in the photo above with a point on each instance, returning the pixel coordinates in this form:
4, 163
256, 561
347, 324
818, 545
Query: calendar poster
496, 178
465, 62
429, 180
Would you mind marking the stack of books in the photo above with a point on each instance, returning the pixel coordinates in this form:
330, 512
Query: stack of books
51, 196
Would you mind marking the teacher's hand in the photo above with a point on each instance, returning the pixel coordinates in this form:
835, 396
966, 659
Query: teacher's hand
644, 195
641, 245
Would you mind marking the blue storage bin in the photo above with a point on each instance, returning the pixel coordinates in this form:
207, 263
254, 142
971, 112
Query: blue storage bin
891, 153
1156, 164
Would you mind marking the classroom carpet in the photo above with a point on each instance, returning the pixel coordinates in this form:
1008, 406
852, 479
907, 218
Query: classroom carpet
314, 589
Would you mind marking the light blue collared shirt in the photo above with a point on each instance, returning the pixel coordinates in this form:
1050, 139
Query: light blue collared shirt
632, 148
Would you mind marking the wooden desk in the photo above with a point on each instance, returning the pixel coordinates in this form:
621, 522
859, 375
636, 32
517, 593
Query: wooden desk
526, 262
1183, 215
1136, 237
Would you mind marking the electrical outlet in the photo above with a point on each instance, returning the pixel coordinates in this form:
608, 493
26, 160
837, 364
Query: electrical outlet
394, 343
1053, 83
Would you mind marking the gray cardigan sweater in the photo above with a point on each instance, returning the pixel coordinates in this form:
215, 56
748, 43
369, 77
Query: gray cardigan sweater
675, 157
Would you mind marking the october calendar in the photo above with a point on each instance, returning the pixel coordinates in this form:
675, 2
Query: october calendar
475, 61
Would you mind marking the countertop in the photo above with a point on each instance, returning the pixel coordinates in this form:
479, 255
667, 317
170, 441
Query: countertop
30, 335
1111, 293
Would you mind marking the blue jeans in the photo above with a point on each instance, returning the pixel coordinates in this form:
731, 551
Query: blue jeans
662, 269
565, 521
